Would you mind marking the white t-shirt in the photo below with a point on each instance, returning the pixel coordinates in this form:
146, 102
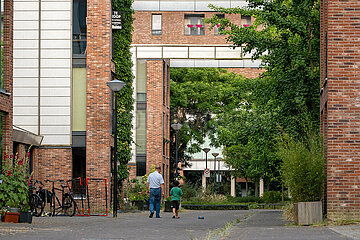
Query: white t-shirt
155, 180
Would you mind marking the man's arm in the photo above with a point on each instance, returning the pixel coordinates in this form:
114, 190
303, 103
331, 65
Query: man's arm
162, 189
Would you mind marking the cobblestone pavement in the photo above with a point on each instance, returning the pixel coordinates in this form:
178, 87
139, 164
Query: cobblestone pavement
216, 225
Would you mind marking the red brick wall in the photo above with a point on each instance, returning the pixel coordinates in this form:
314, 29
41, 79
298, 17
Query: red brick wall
6, 99
173, 29
340, 98
154, 122
98, 62
247, 72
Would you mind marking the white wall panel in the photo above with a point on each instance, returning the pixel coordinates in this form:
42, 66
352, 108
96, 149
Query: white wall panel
55, 44
26, 92
231, 63
26, 120
201, 52
26, 25
25, 82
59, 92
52, 15
58, 6
227, 52
55, 53
26, 111
48, 130
21, 34
25, 53
55, 34
182, 5
25, 101
146, 5
26, 44
206, 63
29, 5
51, 25
55, 111
55, 72
203, 5
149, 52
22, 73
26, 15
54, 120
56, 139
54, 101
175, 52
182, 63
55, 82
55, 63
250, 63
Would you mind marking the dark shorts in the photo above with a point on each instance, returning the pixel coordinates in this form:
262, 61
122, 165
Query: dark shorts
175, 204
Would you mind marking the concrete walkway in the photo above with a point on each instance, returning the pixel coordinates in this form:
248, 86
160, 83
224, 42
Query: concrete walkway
216, 225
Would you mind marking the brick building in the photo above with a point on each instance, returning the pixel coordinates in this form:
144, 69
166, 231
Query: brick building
174, 32
340, 105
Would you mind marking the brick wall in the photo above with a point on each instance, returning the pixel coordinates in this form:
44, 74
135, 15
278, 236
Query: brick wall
98, 62
155, 112
340, 105
6, 99
247, 72
173, 29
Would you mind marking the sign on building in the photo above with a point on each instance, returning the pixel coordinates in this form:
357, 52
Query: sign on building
116, 20
207, 172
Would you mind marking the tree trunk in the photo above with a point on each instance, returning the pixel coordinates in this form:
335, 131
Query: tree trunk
246, 187
256, 188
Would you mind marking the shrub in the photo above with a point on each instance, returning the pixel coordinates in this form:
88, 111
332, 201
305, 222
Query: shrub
248, 199
303, 166
190, 191
271, 197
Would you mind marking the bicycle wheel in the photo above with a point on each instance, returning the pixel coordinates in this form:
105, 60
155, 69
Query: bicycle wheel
69, 205
36, 205
52, 205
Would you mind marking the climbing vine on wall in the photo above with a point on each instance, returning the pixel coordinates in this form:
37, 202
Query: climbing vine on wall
122, 41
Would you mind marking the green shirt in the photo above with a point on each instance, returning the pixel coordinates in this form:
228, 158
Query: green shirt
175, 193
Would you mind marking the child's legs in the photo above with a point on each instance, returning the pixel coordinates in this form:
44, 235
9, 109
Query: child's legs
174, 211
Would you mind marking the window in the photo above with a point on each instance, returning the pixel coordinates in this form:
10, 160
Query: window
79, 26
140, 132
194, 24
245, 21
216, 28
141, 81
140, 165
1, 138
156, 24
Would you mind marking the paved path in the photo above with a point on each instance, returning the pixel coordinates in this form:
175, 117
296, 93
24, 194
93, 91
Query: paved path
217, 225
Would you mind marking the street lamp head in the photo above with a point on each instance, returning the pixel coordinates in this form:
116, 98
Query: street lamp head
215, 154
115, 85
206, 150
176, 126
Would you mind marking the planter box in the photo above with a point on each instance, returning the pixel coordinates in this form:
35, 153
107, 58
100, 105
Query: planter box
167, 206
139, 205
12, 217
307, 213
25, 217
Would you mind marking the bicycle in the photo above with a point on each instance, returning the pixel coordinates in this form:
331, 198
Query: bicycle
67, 203
36, 202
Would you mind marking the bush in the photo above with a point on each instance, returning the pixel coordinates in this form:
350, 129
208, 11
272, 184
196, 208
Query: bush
303, 166
190, 191
248, 199
272, 197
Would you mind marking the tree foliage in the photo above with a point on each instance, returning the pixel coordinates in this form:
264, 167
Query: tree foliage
123, 67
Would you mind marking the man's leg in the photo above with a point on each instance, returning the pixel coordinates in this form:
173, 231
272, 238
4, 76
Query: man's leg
158, 202
152, 199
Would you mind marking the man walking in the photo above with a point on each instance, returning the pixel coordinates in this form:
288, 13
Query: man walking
155, 183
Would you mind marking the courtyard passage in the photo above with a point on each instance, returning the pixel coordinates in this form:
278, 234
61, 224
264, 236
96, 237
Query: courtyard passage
220, 225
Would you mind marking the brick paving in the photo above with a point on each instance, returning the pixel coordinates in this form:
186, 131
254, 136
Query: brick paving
246, 225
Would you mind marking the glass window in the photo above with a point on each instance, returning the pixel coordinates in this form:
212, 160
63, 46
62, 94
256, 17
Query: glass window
140, 166
141, 81
79, 26
216, 28
194, 24
156, 24
245, 21
141, 132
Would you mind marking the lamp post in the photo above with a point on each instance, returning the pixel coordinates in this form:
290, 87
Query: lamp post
206, 150
176, 127
218, 174
215, 155
115, 86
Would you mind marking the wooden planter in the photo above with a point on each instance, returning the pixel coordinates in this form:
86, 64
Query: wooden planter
11, 217
307, 213
139, 205
25, 217
167, 206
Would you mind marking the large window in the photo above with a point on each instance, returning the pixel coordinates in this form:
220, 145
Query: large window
156, 24
216, 28
245, 21
79, 26
194, 24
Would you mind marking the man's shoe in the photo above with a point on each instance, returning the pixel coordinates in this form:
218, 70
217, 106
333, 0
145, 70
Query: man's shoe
158, 217
173, 216
151, 215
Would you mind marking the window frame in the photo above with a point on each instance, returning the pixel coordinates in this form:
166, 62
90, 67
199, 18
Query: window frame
155, 31
190, 17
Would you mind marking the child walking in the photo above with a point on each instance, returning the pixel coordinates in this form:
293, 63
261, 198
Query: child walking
175, 193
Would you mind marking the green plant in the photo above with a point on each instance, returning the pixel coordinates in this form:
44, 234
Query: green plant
138, 191
190, 191
14, 187
272, 197
303, 166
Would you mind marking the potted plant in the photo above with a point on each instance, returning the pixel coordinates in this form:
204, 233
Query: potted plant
14, 188
304, 174
138, 194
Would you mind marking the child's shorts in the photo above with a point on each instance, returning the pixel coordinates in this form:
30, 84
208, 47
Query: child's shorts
175, 204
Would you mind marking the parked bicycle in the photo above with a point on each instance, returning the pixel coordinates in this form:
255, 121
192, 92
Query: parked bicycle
36, 202
67, 203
